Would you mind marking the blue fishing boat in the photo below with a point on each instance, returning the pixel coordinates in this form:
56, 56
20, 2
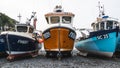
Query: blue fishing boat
103, 40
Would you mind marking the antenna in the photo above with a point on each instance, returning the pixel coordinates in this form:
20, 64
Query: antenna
101, 9
19, 16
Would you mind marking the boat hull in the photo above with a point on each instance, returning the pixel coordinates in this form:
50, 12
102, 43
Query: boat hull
18, 44
59, 40
101, 43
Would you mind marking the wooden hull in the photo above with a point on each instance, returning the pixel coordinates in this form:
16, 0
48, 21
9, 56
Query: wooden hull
59, 39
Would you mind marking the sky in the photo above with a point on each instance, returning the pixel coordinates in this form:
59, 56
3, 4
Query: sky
86, 11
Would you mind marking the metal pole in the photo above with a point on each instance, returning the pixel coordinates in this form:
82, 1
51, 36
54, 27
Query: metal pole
19, 16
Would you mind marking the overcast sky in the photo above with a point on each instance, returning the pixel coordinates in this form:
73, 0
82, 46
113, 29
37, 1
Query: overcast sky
85, 11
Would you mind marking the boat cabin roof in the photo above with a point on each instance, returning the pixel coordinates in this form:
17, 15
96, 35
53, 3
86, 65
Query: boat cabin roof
24, 25
24, 28
59, 14
105, 24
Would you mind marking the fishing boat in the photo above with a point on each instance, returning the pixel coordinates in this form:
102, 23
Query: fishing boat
60, 35
21, 43
103, 40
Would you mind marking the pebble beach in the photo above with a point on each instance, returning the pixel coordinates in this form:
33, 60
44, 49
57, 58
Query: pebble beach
75, 61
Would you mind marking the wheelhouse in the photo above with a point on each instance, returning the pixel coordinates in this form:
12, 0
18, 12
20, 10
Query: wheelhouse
24, 28
58, 16
104, 24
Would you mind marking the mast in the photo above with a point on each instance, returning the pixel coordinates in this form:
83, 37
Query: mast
34, 19
101, 9
19, 16
34, 22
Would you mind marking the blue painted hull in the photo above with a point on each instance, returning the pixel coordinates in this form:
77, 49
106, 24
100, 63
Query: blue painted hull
118, 43
2, 43
101, 43
16, 44
21, 44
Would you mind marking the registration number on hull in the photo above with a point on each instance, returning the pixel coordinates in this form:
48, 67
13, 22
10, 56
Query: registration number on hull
104, 36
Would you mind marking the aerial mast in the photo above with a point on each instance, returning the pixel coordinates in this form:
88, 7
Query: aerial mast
19, 16
101, 9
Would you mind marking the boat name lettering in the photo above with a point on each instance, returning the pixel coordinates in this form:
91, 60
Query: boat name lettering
22, 41
2, 40
103, 36
46, 35
72, 35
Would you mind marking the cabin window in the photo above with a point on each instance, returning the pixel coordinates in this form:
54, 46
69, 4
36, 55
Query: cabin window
47, 20
66, 19
115, 23
102, 25
97, 26
55, 19
58, 10
109, 24
30, 30
21, 28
